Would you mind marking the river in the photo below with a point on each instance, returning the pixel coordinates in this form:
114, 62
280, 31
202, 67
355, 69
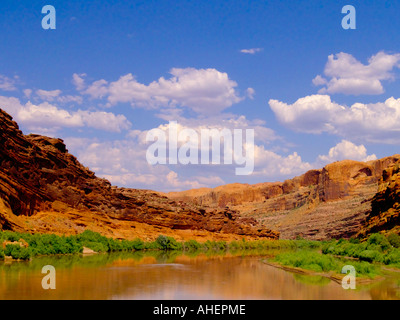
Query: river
162, 275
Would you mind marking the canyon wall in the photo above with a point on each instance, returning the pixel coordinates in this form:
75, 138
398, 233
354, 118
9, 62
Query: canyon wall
331, 202
43, 188
385, 206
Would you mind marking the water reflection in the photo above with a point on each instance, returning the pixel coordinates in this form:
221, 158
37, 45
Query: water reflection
161, 275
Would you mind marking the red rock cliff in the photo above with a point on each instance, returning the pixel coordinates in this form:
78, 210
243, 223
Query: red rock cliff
332, 202
38, 177
385, 209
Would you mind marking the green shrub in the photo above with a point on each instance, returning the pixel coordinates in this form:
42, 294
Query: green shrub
364, 268
236, 245
328, 248
9, 248
168, 243
115, 245
394, 240
355, 250
217, 245
152, 245
11, 236
374, 249
312, 260
354, 240
74, 245
89, 235
125, 245
379, 240
17, 252
96, 246
309, 260
370, 256
137, 244
191, 245
220, 245
393, 257
308, 244
343, 248
94, 241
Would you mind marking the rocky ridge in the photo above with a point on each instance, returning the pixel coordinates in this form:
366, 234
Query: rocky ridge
331, 202
43, 188
385, 207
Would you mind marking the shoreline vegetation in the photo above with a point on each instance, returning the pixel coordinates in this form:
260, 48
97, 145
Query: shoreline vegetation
370, 257
333, 275
25, 246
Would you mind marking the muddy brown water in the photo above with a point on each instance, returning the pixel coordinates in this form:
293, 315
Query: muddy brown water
171, 276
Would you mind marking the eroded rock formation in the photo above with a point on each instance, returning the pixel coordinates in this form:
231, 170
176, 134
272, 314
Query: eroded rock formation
43, 188
332, 202
39, 179
385, 209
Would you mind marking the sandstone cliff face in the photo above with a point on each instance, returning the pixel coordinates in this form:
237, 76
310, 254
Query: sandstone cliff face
332, 202
385, 209
337, 180
39, 179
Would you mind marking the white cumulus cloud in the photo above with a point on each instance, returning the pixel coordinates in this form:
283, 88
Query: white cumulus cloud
123, 162
46, 118
205, 91
374, 122
346, 150
349, 76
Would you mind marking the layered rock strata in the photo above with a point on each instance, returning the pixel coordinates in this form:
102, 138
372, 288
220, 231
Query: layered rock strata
385, 207
40, 178
331, 202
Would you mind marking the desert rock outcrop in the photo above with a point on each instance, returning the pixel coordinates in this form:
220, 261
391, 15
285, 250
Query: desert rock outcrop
385, 208
331, 202
44, 188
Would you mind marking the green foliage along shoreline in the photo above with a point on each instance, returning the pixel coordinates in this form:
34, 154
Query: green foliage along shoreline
317, 256
50, 244
377, 248
324, 263
367, 256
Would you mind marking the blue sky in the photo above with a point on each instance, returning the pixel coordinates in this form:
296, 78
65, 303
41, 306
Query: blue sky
112, 70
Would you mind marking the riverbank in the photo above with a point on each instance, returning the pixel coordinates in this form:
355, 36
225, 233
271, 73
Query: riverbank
317, 257
156, 274
369, 258
331, 275
25, 246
